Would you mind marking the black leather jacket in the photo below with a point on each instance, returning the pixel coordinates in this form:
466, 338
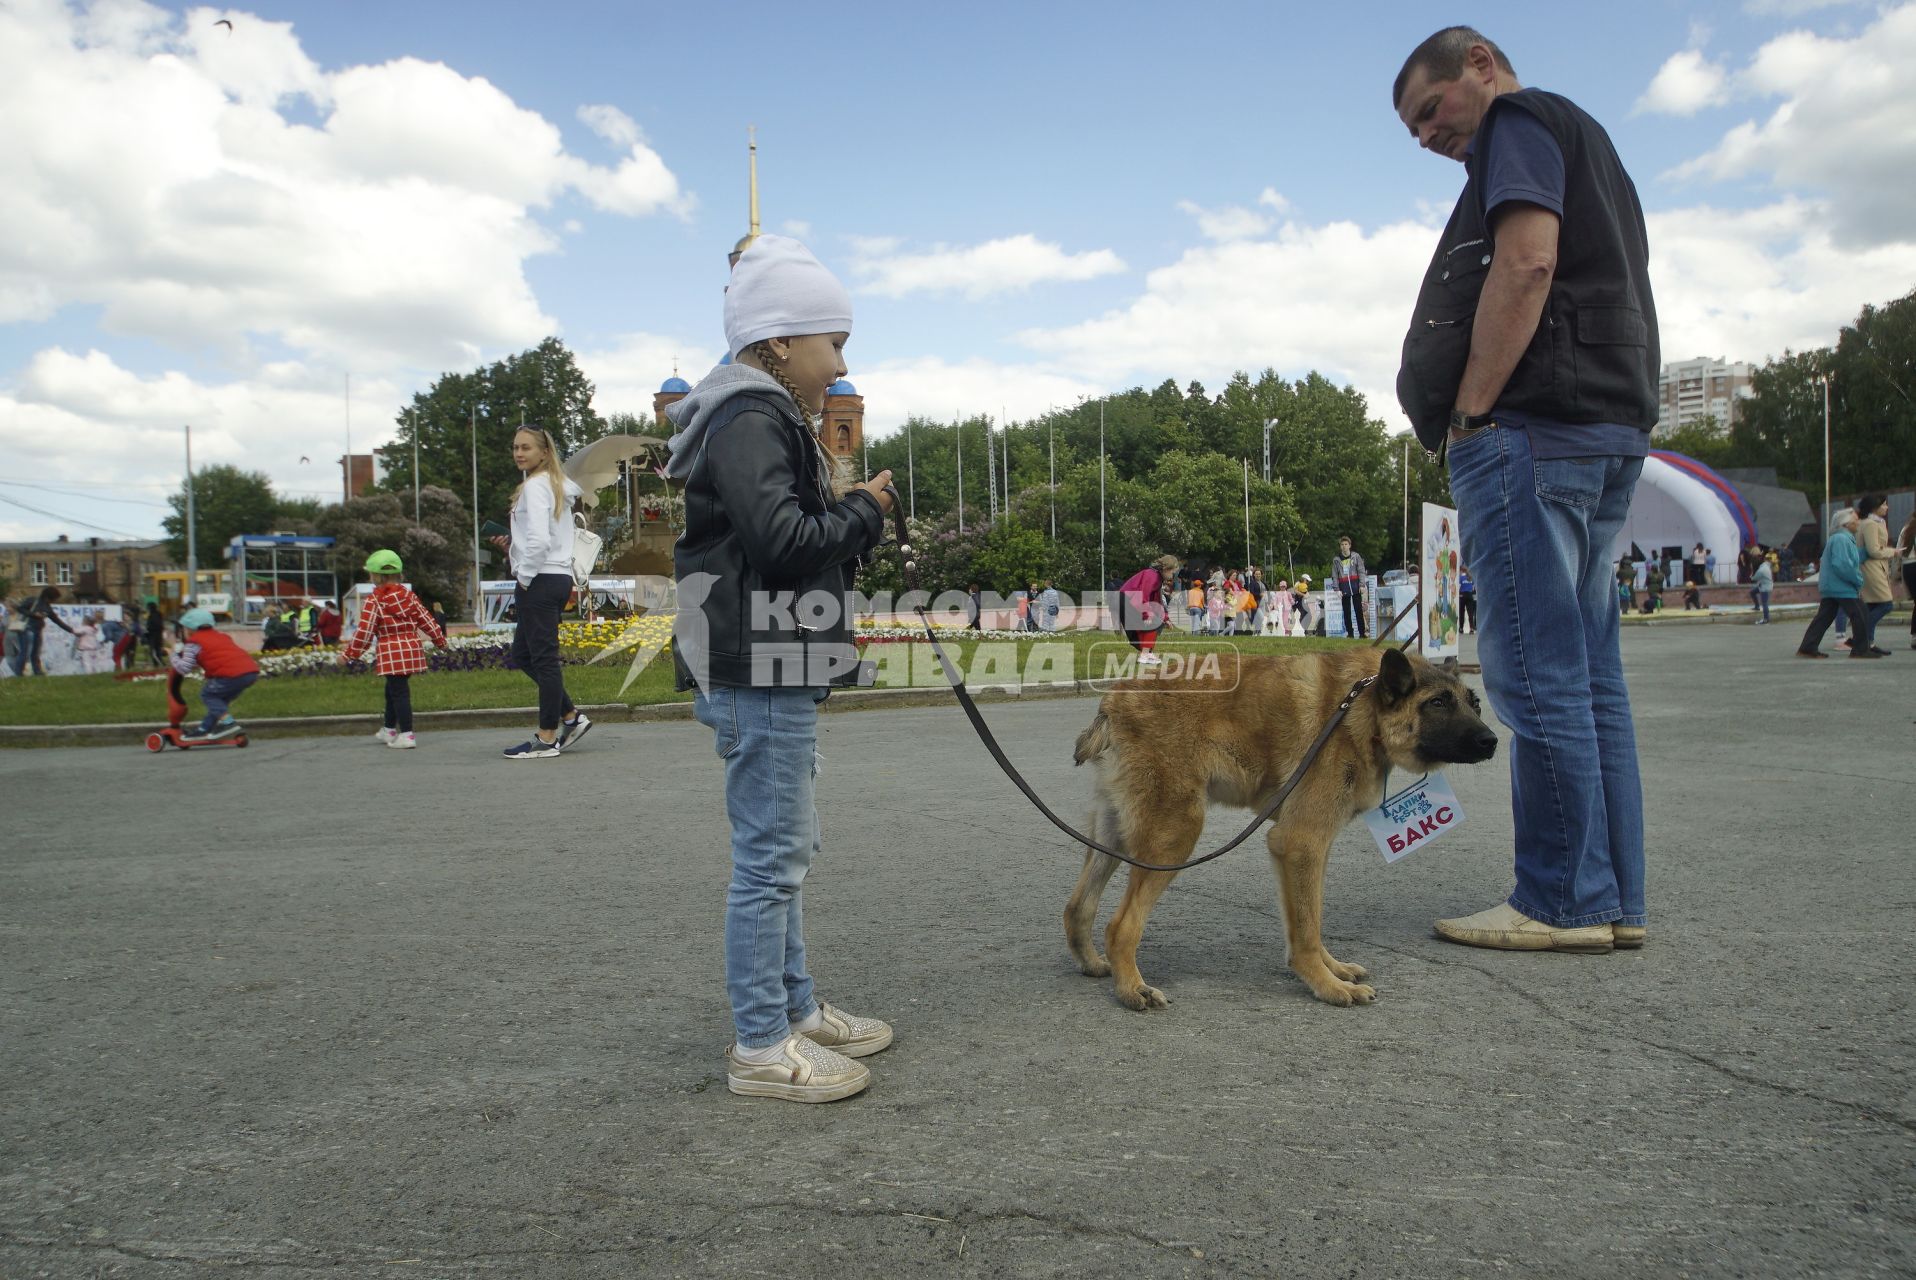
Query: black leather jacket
766, 561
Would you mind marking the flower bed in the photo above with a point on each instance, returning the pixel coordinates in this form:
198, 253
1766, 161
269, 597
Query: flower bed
579, 642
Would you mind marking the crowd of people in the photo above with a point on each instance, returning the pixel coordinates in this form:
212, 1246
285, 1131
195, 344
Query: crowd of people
102, 640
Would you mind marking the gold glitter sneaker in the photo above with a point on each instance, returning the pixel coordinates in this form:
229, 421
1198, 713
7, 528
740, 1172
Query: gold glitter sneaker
803, 1072
854, 1037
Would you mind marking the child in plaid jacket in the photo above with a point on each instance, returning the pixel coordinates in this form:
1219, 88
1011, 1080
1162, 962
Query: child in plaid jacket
392, 622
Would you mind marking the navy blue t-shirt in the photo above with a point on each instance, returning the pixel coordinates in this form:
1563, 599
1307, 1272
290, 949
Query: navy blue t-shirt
1525, 164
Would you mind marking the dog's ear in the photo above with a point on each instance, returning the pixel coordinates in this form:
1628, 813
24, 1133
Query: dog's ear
1395, 678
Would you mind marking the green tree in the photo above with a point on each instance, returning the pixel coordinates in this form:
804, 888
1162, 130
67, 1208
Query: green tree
226, 501
1705, 440
437, 552
1872, 408
463, 415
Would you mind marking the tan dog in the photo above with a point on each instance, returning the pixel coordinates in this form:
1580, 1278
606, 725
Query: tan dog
1166, 747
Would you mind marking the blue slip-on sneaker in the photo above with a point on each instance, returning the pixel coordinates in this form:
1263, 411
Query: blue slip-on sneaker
532, 749
570, 731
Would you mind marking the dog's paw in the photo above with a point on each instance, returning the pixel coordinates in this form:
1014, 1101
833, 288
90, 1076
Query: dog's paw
1344, 994
1143, 997
1347, 972
1094, 966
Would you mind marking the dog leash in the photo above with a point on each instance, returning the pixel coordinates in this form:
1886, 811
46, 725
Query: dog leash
1011, 771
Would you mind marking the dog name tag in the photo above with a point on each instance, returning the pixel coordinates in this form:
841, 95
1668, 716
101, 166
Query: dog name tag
1415, 816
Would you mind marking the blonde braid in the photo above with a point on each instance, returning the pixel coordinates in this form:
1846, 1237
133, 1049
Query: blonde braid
762, 352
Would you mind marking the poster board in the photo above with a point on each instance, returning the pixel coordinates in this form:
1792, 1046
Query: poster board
1441, 559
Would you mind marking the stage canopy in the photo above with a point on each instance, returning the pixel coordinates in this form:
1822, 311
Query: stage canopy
1679, 503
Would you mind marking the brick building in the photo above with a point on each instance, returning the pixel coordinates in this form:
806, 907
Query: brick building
90, 569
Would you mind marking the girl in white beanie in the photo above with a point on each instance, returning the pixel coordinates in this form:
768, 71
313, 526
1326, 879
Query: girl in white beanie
762, 634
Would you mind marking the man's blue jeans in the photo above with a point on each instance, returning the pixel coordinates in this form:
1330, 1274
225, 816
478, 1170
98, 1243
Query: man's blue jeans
768, 739
1537, 535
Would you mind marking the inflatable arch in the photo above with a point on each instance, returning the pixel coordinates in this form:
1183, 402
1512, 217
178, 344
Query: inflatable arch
1679, 503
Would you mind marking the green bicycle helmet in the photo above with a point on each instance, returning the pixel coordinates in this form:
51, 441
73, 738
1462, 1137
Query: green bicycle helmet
383, 561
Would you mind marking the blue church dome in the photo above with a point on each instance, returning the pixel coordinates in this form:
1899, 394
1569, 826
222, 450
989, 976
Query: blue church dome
841, 388
672, 384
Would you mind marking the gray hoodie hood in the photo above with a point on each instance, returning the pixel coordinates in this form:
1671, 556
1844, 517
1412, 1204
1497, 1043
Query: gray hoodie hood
692, 414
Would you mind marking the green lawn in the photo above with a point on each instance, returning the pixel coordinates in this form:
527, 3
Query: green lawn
104, 700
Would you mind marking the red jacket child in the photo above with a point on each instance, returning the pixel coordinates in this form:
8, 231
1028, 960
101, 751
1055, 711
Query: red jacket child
394, 617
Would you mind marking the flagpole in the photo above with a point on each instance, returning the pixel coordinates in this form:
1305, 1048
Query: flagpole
1104, 575
192, 535
911, 473
349, 437
991, 474
1004, 437
958, 429
1051, 442
478, 574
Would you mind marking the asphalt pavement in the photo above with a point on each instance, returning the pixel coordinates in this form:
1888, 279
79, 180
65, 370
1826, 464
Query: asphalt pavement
317, 1008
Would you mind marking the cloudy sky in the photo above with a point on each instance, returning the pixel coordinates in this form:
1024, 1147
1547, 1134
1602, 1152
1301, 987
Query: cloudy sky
221, 225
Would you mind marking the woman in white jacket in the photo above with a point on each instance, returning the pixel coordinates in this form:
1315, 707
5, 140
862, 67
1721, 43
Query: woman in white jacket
541, 550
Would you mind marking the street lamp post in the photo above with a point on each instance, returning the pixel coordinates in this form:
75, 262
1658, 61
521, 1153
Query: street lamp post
415, 466
911, 474
1268, 424
1826, 379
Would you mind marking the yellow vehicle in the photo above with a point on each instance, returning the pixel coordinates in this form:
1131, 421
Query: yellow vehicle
169, 588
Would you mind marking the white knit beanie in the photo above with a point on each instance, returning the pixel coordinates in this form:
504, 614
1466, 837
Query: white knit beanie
779, 290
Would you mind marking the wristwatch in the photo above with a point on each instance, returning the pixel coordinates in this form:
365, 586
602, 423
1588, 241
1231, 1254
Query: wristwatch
1462, 424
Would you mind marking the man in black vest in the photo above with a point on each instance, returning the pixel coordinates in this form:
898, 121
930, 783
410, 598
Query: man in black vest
1532, 359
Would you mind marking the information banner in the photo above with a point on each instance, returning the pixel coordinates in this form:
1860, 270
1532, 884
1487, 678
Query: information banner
1438, 581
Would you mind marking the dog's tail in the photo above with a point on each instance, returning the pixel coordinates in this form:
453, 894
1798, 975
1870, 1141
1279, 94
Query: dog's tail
1094, 741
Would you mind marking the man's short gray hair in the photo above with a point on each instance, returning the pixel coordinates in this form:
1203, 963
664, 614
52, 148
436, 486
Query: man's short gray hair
1442, 57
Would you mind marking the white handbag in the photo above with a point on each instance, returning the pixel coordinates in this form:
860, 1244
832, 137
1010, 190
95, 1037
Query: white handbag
585, 550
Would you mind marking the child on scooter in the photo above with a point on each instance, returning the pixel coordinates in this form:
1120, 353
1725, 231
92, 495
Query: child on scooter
230, 671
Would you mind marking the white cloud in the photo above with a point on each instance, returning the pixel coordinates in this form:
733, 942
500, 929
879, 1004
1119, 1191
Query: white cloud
1789, 8
1232, 222
978, 271
1333, 298
1753, 283
84, 420
943, 390
161, 168
1845, 128
1684, 85
797, 229
626, 374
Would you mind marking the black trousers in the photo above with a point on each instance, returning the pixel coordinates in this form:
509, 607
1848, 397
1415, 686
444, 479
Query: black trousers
1826, 614
1353, 614
1909, 585
399, 703
535, 642
1467, 610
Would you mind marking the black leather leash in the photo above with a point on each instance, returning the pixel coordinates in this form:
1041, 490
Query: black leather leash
997, 753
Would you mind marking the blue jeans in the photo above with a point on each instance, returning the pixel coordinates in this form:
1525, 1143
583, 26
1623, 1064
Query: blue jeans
219, 693
768, 739
1538, 536
26, 653
1873, 614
